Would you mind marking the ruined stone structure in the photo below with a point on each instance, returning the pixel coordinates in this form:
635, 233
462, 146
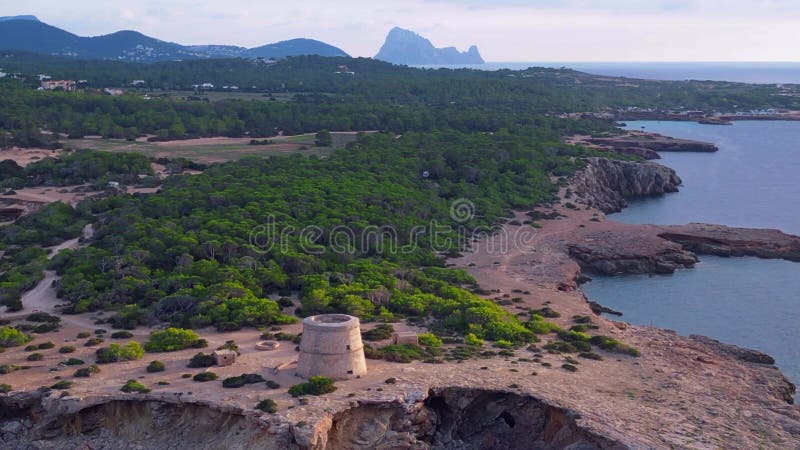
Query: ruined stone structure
225, 357
331, 347
405, 337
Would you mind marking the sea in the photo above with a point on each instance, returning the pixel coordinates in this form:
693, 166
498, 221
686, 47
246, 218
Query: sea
742, 72
752, 181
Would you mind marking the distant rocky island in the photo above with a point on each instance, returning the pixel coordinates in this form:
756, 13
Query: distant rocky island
407, 47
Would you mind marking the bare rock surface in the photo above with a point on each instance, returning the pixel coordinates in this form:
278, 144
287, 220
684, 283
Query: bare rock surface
606, 184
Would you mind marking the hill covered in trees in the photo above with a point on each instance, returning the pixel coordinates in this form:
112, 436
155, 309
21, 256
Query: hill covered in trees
218, 248
379, 96
29, 34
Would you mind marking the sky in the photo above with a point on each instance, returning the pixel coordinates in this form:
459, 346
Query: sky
504, 30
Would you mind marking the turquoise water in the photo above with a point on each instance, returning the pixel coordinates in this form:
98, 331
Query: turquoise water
751, 181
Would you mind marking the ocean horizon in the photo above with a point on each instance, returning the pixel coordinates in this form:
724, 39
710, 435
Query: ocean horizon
739, 72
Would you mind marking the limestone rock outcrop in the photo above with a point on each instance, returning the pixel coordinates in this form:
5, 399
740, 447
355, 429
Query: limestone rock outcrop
606, 183
443, 418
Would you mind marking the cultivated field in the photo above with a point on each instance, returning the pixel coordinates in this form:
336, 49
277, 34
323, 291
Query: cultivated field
211, 150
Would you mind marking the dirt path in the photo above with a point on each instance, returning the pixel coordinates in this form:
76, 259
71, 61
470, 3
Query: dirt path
43, 298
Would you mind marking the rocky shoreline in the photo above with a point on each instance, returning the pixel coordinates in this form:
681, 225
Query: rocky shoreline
682, 392
642, 144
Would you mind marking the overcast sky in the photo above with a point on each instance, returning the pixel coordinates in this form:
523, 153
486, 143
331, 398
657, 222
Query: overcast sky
504, 30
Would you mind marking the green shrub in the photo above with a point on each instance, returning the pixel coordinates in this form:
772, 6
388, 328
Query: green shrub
100, 332
67, 349
430, 340
272, 384
155, 366
546, 312
315, 385
379, 333
281, 336
42, 317
574, 336
8, 368
561, 347
172, 339
569, 367
502, 343
115, 353
205, 376
202, 360
538, 325
591, 355
268, 406
472, 340
402, 353
94, 341
121, 335
12, 337
62, 384
35, 357
134, 386
615, 346
45, 328
241, 380
84, 335
86, 372
73, 362
5, 388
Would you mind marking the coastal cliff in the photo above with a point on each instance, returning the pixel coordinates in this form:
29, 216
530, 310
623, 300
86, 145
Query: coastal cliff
605, 183
444, 418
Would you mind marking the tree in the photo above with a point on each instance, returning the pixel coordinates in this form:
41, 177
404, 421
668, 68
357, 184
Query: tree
323, 139
172, 339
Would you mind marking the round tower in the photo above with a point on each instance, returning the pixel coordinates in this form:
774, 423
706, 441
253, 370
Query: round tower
331, 346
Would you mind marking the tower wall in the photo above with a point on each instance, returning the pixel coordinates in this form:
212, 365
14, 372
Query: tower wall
331, 346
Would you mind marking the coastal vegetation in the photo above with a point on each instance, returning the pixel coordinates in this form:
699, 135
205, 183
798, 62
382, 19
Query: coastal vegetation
316, 385
364, 230
134, 386
12, 337
173, 339
115, 353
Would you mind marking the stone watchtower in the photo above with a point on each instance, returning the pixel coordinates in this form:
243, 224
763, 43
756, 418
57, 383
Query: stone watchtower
331, 347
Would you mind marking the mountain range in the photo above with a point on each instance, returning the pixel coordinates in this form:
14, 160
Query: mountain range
407, 47
29, 34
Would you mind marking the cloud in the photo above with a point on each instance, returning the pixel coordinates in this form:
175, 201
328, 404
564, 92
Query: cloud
543, 30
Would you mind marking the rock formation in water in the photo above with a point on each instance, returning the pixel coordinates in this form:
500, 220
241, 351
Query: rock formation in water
606, 183
406, 47
654, 142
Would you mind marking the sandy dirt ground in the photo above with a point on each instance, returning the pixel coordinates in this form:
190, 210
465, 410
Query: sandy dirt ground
680, 393
216, 149
25, 156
